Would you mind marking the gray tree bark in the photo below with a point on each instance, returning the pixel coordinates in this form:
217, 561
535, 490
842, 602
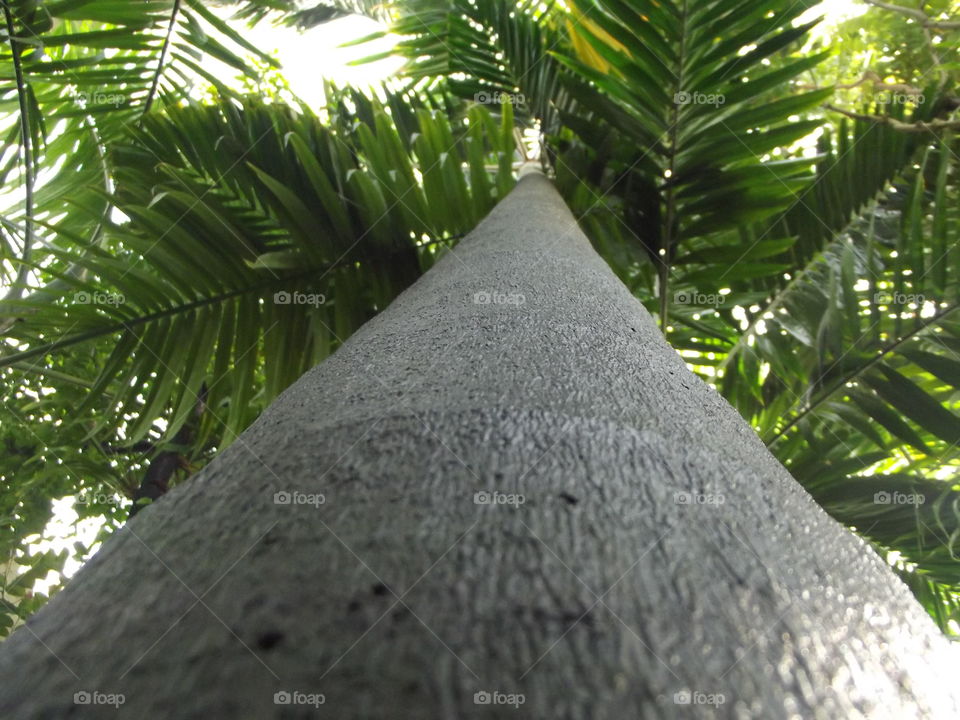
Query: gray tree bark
531, 508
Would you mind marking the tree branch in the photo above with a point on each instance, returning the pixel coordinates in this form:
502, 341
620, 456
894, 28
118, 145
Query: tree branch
918, 15
156, 481
915, 127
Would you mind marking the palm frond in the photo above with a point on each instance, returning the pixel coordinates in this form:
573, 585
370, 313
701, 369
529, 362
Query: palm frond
850, 371
235, 215
700, 113
307, 14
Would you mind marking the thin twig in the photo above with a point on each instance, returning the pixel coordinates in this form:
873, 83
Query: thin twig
857, 372
163, 56
919, 15
915, 127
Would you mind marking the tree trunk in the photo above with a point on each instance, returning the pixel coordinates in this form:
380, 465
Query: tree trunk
531, 509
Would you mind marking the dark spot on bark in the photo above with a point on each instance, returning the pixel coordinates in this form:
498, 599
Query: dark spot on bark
380, 589
411, 687
269, 639
354, 606
569, 498
582, 617
399, 615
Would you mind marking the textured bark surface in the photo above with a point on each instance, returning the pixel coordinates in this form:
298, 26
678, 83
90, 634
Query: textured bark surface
601, 596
